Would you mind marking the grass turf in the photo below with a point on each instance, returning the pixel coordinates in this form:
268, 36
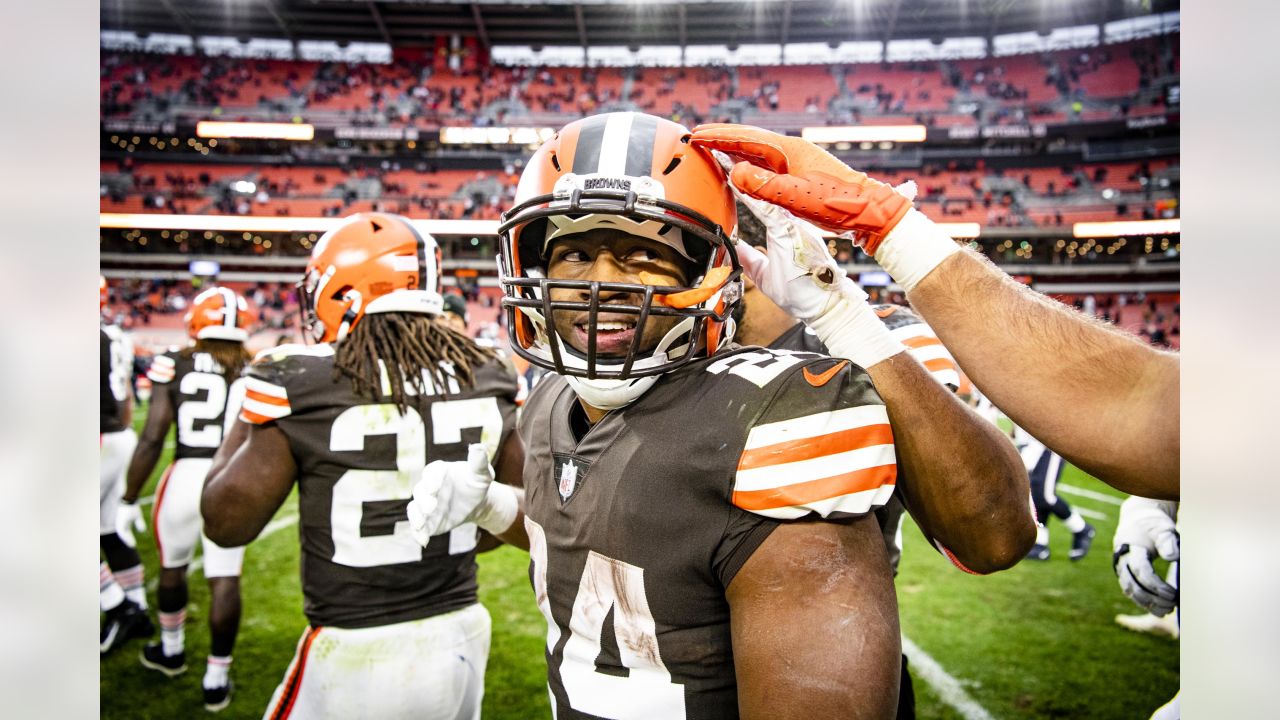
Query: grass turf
1037, 641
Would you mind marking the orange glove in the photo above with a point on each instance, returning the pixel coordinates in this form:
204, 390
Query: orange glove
810, 182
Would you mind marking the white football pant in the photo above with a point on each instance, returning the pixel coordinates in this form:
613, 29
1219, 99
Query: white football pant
177, 522
115, 450
429, 669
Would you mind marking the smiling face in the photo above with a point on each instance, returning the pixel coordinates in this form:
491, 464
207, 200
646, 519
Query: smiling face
608, 255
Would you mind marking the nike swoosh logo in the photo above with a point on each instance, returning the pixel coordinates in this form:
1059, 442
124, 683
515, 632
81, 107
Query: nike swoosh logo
825, 377
885, 312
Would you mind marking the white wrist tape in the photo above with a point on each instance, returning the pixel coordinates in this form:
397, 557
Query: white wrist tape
851, 330
914, 248
499, 510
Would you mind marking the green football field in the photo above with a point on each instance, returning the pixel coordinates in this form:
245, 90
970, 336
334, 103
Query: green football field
1037, 641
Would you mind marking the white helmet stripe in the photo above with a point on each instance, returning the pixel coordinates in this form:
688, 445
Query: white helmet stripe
229, 314
613, 147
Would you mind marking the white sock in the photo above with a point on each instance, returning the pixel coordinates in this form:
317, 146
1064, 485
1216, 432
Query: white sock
1042, 535
216, 671
1074, 522
110, 594
131, 580
172, 632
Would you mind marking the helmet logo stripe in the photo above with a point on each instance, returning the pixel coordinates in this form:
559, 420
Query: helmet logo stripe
586, 158
644, 133
229, 312
614, 146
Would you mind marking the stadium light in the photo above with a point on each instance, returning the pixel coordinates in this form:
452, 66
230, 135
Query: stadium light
865, 133
495, 135
1172, 226
255, 130
259, 223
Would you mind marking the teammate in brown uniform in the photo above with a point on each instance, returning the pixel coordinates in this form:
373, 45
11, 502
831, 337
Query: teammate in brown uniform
395, 629
194, 388
673, 480
122, 597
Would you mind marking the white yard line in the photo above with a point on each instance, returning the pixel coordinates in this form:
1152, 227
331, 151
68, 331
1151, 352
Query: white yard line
948, 688
1086, 512
1073, 490
272, 527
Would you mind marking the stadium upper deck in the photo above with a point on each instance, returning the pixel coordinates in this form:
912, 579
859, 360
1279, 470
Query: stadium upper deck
416, 90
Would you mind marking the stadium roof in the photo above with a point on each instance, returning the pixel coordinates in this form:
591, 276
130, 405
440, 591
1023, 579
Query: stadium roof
605, 22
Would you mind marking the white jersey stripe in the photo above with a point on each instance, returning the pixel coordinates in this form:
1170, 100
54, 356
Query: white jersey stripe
946, 377
260, 408
856, 503
914, 330
817, 424
774, 476
162, 360
931, 352
261, 386
280, 351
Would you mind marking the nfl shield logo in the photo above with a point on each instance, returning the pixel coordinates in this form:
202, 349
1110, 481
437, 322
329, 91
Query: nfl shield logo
568, 479
568, 474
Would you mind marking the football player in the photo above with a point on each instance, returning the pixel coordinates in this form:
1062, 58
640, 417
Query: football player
1034, 356
195, 388
761, 322
121, 593
395, 629
1045, 467
673, 481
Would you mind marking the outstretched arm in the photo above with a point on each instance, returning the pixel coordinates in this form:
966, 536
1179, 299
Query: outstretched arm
1102, 400
1099, 397
815, 624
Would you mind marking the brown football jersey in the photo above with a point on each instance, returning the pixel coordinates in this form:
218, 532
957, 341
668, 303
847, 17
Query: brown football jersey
199, 392
925, 347
637, 528
357, 464
115, 369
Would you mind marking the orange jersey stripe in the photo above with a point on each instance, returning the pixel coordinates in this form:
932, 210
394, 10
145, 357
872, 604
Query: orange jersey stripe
816, 490
284, 706
921, 341
937, 364
250, 416
267, 399
812, 447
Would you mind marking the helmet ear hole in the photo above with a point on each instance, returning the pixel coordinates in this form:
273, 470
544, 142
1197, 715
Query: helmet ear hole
341, 294
675, 162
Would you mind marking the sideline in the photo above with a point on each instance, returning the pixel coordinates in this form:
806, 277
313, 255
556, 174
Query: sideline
948, 688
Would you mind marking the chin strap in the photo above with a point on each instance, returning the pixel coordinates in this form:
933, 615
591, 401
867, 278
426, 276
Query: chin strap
710, 285
353, 312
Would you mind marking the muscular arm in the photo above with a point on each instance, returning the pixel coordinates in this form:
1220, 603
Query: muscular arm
815, 625
1095, 395
150, 444
962, 480
251, 476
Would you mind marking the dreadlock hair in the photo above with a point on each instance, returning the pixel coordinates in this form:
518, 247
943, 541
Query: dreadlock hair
230, 354
407, 344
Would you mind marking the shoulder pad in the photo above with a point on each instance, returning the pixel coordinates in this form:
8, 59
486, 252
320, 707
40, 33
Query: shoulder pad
280, 352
